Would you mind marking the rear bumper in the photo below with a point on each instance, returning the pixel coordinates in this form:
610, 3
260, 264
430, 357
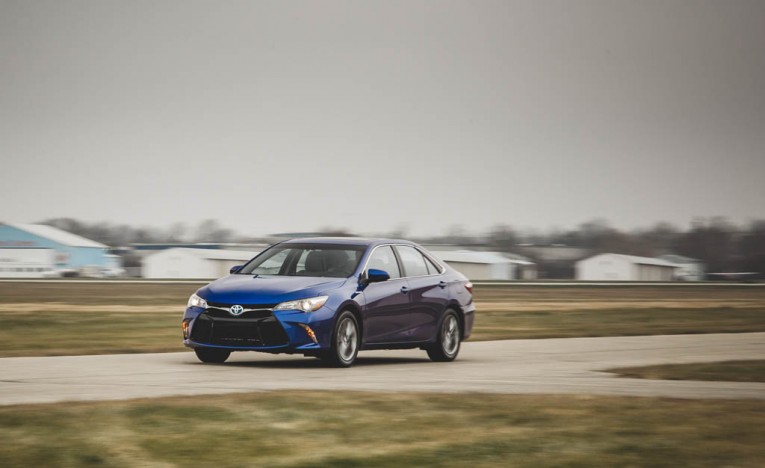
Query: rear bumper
469, 316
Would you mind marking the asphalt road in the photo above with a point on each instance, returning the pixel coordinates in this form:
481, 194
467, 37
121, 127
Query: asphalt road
571, 365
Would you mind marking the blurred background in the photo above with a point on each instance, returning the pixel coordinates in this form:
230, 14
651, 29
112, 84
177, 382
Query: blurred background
514, 139
541, 147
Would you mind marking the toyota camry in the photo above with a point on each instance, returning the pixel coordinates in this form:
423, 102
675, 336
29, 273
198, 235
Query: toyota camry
331, 298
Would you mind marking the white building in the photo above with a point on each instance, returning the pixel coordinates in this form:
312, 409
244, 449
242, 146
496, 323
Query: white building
38, 250
478, 265
27, 263
185, 263
618, 267
690, 269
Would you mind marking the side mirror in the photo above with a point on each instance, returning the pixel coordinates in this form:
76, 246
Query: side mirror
377, 276
235, 269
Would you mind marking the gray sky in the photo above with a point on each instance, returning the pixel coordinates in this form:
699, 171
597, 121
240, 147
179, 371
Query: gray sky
290, 116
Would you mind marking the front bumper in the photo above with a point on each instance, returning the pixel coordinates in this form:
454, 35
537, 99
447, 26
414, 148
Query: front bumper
259, 329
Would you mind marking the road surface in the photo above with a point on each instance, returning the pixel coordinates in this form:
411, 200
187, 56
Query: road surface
570, 365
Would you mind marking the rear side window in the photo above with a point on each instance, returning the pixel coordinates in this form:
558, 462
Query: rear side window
433, 269
383, 259
413, 261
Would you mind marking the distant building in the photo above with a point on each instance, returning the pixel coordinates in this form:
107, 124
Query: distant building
144, 248
618, 267
478, 265
554, 253
37, 250
525, 268
186, 263
690, 269
554, 261
27, 263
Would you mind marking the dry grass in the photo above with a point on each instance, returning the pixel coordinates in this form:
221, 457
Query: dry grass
96, 318
90, 293
75, 331
513, 312
493, 325
49, 319
374, 430
667, 295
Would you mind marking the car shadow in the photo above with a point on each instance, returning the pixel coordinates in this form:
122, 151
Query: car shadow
313, 363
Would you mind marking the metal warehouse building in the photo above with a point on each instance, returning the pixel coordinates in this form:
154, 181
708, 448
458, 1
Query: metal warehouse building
185, 263
618, 267
689, 269
37, 250
478, 265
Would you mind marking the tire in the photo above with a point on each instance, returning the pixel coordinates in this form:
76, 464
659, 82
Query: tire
345, 341
212, 355
447, 344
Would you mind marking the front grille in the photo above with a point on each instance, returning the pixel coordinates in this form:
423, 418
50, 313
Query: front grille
212, 328
224, 305
250, 314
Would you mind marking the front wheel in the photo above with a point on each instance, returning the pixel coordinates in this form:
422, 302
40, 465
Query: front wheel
345, 341
447, 344
212, 355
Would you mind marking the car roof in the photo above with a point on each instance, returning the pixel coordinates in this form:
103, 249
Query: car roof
347, 241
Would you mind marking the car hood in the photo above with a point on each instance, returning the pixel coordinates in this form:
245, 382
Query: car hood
249, 289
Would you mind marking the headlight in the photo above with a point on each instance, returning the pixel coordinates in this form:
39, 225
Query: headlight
306, 305
196, 301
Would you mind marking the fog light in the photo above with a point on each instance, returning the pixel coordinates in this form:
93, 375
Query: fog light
310, 332
185, 327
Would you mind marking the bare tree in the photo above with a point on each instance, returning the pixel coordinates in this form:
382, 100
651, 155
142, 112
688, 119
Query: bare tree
210, 230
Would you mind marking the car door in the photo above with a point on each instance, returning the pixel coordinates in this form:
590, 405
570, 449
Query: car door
428, 294
386, 310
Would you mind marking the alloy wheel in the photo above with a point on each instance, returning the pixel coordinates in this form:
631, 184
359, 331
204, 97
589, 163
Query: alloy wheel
347, 339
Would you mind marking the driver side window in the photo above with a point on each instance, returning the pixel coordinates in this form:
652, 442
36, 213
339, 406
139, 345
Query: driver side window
384, 259
273, 265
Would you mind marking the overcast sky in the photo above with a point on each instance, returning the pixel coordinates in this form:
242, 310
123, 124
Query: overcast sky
291, 116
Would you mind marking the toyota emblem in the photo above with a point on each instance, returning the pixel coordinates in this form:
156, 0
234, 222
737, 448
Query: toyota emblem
236, 310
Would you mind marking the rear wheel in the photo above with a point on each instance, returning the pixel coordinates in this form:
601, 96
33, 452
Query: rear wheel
447, 344
345, 341
214, 355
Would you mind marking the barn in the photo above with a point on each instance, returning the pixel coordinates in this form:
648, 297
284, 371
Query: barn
187, 263
37, 250
618, 267
479, 265
690, 269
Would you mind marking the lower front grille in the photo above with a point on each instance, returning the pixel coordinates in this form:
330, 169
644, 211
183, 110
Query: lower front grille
243, 332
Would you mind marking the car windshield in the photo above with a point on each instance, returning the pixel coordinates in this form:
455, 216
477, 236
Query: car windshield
321, 260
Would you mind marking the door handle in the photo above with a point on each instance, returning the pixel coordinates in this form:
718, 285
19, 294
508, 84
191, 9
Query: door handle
442, 284
404, 289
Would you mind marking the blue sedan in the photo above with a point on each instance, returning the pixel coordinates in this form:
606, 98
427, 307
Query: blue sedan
330, 298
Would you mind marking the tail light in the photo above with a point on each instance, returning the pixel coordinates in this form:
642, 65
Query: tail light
469, 287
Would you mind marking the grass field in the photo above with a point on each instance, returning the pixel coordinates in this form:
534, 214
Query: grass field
730, 371
349, 429
310, 429
94, 318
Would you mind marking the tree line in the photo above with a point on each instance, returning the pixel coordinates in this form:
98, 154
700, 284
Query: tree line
723, 246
